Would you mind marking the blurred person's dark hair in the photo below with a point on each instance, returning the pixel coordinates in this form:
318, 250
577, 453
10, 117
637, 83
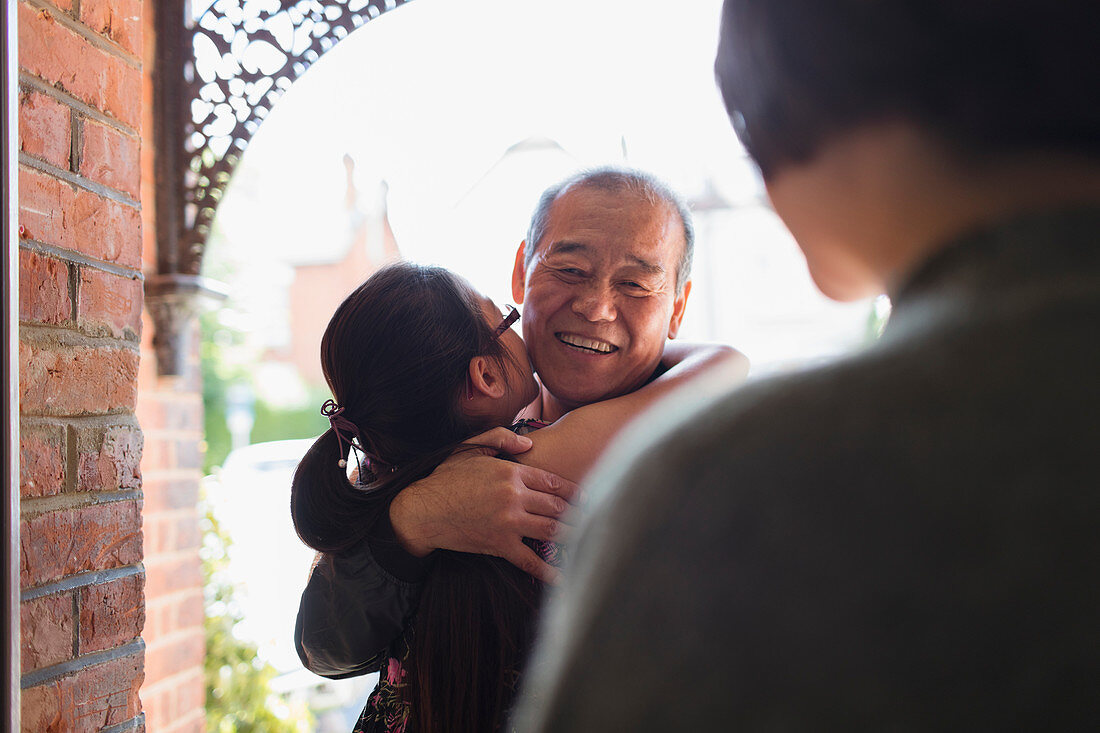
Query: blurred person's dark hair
987, 76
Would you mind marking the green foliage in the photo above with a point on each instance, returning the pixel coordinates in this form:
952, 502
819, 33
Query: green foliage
238, 694
226, 361
286, 423
218, 372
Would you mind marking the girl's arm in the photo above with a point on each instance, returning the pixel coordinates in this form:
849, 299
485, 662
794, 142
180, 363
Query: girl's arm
572, 445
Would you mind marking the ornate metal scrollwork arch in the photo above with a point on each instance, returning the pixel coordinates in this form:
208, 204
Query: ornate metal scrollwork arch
217, 78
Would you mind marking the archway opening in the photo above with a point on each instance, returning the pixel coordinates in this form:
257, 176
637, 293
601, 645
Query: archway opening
429, 134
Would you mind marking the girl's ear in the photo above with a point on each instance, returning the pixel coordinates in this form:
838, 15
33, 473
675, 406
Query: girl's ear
485, 379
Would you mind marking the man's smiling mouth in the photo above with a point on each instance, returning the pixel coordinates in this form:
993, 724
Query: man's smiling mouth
594, 346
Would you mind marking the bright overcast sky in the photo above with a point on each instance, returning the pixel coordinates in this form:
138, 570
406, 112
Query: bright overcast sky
430, 95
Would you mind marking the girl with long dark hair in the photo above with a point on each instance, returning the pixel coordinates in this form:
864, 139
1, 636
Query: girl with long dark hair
418, 362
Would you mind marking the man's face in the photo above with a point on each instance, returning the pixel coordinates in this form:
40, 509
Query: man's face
599, 294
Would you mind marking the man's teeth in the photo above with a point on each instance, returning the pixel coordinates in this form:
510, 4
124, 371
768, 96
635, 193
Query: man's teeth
591, 344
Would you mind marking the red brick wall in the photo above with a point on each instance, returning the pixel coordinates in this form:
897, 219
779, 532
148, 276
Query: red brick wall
170, 412
80, 331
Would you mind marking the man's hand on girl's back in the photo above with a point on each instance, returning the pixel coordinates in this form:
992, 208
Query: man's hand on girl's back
476, 502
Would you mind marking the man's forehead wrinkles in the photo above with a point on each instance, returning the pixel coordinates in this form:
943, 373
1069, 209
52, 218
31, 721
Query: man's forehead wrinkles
632, 259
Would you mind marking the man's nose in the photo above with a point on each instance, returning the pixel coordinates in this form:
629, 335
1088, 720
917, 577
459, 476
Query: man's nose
595, 304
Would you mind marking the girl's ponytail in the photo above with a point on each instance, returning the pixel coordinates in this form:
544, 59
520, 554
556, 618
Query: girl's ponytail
328, 511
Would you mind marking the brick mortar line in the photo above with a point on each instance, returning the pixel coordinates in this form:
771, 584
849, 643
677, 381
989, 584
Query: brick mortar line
75, 329
79, 181
72, 666
78, 258
81, 580
74, 290
101, 42
109, 414
72, 461
37, 334
76, 624
34, 506
76, 141
131, 724
27, 81
84, 421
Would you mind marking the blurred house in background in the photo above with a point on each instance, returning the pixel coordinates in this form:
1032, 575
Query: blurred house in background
318, 286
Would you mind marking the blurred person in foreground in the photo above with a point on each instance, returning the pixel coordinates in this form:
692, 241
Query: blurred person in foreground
906, 539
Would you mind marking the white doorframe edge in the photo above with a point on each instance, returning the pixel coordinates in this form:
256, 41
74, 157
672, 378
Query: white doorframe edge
9, 62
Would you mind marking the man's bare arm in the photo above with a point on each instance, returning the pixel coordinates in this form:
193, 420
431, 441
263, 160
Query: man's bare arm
474, 502
573, 444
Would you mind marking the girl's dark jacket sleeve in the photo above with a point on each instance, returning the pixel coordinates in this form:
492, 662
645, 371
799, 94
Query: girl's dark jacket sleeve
357, 603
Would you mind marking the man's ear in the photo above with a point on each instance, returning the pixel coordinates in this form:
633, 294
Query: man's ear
519, 274
678, 306
486, 379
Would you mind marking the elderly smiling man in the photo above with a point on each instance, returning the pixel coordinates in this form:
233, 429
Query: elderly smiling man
603, 278
601, 227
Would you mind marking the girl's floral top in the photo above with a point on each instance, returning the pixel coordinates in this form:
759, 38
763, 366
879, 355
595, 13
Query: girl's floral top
387, 709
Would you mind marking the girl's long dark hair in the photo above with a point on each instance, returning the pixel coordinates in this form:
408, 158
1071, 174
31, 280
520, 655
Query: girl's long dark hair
395, 356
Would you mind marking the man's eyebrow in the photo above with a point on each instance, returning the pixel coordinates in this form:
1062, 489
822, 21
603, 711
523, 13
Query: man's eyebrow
566, 247
650, 268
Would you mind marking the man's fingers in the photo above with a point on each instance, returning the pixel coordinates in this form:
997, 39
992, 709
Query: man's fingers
549, 483
545, 505
527, 560
545, 528
501, 440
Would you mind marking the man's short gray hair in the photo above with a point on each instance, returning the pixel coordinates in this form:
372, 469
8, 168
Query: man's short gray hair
616, 180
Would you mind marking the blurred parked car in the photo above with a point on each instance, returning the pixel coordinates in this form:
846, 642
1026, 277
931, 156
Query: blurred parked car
250, 498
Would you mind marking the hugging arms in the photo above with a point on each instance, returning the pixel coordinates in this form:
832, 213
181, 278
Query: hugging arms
356, 603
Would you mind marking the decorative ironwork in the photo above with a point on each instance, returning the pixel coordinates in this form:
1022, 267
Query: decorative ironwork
246, 54
217, 78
